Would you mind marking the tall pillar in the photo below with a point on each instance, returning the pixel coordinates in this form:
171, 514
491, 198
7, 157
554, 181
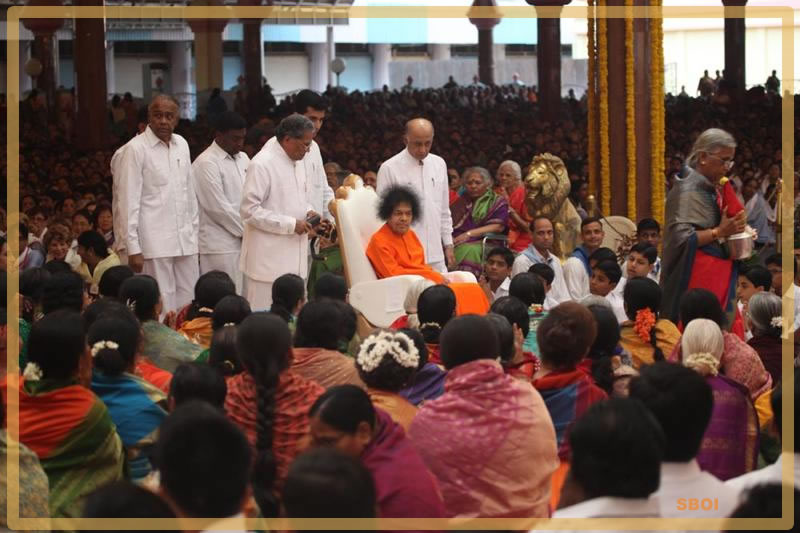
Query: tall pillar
548, 56
25, 81
485, 27
439, 52
207, 50
180, 66
111, 85
330, 46
45, 48
381, 57
90, 74
499, 53
318, 66
734, 45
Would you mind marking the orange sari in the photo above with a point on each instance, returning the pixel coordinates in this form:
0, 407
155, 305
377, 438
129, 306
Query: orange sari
394, 255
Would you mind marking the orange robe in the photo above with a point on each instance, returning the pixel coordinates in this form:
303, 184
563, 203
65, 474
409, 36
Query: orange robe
394, 255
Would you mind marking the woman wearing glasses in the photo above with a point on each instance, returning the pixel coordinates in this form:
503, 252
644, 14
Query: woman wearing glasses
694, 252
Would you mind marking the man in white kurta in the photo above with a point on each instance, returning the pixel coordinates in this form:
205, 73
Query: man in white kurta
275, 206
159, 207
120, 242
539, 251
426, 174
219, 177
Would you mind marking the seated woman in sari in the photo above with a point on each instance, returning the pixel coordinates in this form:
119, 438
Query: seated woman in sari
210, 288
644, 335
136, 407
730, 444
509, 177
695, 224
344, 417
501, 462
395, 250
766, 322
478, 212
63, 422
427, 382
436, 307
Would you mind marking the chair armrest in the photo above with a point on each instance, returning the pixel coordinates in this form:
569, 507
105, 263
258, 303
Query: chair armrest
460, 276
381, 301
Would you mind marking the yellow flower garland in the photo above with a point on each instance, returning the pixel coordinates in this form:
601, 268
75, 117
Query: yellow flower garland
602, 56
591, 100
630, 111
657, 119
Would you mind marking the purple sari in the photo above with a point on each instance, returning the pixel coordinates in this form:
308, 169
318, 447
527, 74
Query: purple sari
469, 214
730, 444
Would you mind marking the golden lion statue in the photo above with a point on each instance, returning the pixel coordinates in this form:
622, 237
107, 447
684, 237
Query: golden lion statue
547, 189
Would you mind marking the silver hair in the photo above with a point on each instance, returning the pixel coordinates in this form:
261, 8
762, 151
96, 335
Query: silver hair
487, 178
709, 141
702, 344
514, 167
761, 309
599, 301
294, 126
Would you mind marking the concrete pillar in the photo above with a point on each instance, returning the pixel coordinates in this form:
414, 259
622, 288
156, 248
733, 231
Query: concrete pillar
208, 53
381, 57
439, 52
25, 81
90, 80
734, 46
45, 49
253, 61
180, 66
111, 85
485, 27
330, 48
548, 63
318, 66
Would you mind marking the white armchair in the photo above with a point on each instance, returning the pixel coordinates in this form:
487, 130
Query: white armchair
379, 301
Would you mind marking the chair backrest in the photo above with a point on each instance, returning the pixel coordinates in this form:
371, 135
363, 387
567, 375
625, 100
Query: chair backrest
617, 229
357, 220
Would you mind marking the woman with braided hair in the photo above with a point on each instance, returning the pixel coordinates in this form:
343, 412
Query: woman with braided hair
435, 307
644, 335
269, 402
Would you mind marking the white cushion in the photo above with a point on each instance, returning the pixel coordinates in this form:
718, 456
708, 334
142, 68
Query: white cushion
358, 220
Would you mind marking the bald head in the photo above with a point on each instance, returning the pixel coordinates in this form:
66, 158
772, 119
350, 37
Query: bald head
419, 137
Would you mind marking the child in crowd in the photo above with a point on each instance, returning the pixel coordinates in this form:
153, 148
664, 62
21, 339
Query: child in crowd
752, 280
605, 277
496, 279
775, 266
648, 232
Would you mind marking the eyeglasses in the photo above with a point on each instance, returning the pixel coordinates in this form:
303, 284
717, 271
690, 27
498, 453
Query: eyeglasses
727, 163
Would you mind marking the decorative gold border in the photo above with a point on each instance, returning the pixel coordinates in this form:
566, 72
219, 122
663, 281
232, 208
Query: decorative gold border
785, 14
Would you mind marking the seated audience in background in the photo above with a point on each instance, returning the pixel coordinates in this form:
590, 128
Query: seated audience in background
124, 499
528, 288
31, 290
268, 388
111, 280
209, 289
326, 483
476, 213
320, 329
605, 277
411, 319
774, 264
611, 367
577, 268
639, 264
521, 363
547, 276
136, 407
482, 472
540, 252
774, 473
386, 362
65, 290
330, 286
229, 311
95, 259
682, 402
30, 253
197, 486
435, 308
57, 267
57, 242
764, 501
427, 382
495, 277
63, 422
223, 356
644, 335
648, 233
344, 418
395, 249
752, 280
765, 321
740, 362
197, 382
730, 444
617, 448
163, 346
288, 297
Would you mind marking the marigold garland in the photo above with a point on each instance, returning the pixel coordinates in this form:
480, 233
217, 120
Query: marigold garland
630, 111
591, 100
657, 168
602, 66
643, 325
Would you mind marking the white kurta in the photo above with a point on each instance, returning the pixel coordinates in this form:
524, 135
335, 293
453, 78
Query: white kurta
274, 197
576, 278
682, 481
558, 292
320, 193
427, 178
157, 202
120, 231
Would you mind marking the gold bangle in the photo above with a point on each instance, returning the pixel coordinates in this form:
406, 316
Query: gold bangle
713, 234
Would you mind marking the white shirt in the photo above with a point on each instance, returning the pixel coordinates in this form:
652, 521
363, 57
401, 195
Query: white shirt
654, 274
120, 231
157, 202
218, 182
274, 197
502, 289
320, 192
681, 482
428, 179
558, 292
576, 278
769, 474
796, 293
617, 303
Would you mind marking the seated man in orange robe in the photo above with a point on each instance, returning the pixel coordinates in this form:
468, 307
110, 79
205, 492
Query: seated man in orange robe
395, 250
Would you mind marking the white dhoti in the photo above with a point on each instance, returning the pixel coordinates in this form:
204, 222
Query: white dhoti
176, 277
228, 263
258, 293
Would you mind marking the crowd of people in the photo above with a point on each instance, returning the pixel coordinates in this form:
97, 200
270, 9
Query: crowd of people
173, 313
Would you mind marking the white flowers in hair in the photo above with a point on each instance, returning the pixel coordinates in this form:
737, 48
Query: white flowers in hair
226, 324
776, 322
32, 372
101, 345
131, 303
703, 362
379, 345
